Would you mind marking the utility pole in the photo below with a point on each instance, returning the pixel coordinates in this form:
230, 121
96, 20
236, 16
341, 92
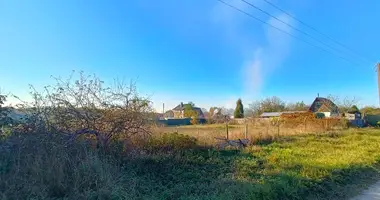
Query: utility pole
163, 108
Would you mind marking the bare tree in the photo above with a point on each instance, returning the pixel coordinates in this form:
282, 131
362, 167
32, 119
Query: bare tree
4, 111
270, 104
87, 106
344, 105
298, 106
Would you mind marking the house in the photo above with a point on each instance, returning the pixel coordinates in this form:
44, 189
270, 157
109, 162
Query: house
179, 111
157, 116
325, 106
353, 116
169, 114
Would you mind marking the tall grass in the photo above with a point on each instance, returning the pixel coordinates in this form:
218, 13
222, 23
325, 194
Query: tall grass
43, 167
323, 166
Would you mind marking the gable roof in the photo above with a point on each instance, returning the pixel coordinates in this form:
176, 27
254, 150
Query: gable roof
180, 107
321, 104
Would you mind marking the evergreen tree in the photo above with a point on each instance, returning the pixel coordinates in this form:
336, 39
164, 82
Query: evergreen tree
239, 110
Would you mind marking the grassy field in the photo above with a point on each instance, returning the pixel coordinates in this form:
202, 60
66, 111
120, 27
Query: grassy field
319, 166
261, 130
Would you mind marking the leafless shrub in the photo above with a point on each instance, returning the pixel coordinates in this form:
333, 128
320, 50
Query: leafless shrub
86, 106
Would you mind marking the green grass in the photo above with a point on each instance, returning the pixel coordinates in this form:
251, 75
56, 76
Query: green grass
328, 166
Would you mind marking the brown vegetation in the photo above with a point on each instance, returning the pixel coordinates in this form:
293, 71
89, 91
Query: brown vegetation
258, 129
87, 107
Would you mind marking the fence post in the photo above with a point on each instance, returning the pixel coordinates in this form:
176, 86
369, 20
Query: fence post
328, 124
227, 130
246, 131
278, 129
305, 123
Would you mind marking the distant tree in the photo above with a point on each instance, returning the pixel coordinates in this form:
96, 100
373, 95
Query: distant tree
370, 110
227, 111
239, 110
215, 111
190, 112
190, 104
270, 104
211, 112
298, 106
2, 100
216, 114
273, 104
343, 105
4, 111
255, 108
354, 109
248, 112
188, 107
211, 115
333, 98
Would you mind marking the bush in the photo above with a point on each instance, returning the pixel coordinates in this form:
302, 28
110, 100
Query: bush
5, 132
319, 115
44, 166
378, 124
87, 106
170, 142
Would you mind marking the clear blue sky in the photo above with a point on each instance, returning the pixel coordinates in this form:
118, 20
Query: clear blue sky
191, 50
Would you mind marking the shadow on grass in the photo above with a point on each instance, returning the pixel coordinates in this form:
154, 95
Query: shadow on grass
208, 174
344, 183
199, 174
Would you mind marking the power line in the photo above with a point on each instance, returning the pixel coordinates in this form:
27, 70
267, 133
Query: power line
281, 30
291, 26
315, 30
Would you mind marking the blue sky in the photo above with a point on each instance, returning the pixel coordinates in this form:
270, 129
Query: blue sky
191, 50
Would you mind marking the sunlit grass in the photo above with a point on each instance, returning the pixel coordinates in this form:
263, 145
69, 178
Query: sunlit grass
314, 159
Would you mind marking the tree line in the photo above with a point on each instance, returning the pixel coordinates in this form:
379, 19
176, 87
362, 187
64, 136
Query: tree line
275, 104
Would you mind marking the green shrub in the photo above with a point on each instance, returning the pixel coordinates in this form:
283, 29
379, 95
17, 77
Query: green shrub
319, 115
5, 132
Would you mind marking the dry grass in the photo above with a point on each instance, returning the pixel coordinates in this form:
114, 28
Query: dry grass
43, 166
257, 131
